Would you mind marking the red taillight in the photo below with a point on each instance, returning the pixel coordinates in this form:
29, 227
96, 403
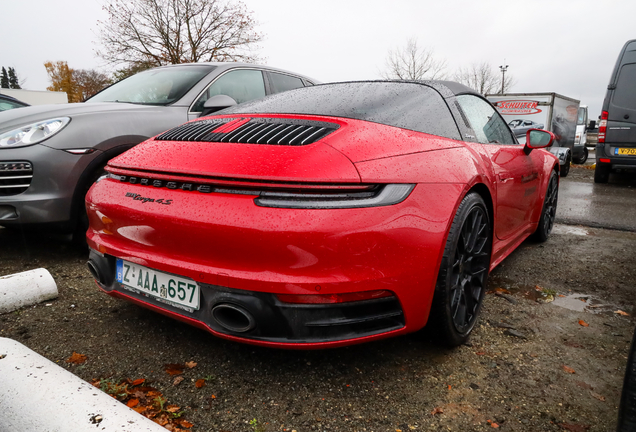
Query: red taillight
602, 127
604, 160
333, 298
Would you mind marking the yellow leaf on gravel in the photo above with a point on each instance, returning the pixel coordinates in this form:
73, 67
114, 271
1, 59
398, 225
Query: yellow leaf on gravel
583, 323
190, 364
620, 312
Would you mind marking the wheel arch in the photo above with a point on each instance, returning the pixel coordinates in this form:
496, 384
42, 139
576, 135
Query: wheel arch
85, 178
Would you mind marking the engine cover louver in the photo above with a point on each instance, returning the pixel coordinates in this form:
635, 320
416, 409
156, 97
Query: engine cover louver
251, 131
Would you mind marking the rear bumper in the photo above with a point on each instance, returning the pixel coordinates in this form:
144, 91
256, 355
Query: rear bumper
608, 151
272, 322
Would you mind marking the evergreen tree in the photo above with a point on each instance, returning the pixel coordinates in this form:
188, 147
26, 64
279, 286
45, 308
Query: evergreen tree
14, 82
4, 80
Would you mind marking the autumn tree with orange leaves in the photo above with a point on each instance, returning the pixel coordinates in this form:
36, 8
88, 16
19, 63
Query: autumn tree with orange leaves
79, 84
161, 32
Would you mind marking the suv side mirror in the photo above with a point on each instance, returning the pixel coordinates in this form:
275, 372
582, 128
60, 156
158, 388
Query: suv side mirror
217, 103
536, 139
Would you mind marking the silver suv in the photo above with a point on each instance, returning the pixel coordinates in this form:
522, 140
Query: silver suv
51, 154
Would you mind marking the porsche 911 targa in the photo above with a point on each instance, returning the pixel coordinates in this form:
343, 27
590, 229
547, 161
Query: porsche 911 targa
323, 216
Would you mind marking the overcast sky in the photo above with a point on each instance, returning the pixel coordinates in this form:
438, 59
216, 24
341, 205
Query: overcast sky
563, 46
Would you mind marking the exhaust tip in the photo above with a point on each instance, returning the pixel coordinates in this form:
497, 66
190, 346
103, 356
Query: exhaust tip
233, 318
92, 267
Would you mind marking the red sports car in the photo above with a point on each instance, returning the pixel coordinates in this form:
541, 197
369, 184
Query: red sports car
323, 216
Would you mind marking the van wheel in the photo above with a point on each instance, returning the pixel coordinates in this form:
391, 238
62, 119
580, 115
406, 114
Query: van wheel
583, 157
601, 173
565, 168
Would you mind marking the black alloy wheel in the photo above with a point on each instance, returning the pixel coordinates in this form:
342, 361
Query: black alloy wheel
463, 274
548, 213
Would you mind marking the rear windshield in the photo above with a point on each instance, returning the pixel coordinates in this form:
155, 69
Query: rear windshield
155, 86
405, 105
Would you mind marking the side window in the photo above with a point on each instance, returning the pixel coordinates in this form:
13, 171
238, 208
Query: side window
281, 82
487, 124
241, 85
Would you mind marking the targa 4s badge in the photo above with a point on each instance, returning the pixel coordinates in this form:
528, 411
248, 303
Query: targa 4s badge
145, 200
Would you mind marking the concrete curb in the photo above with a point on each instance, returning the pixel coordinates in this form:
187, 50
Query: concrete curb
25, 289
38, 395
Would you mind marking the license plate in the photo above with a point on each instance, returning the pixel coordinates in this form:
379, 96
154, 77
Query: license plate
176, 291
625, 151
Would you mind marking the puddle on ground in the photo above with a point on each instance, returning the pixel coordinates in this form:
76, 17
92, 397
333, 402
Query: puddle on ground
573, 301
568, 229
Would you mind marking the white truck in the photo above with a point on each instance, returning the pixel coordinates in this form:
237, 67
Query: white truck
549, 111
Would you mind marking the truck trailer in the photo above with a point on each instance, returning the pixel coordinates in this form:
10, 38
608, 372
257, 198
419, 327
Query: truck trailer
549, 111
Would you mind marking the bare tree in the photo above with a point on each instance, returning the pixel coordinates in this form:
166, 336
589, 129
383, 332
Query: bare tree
413, 63
90, 82
160, 32
482, 78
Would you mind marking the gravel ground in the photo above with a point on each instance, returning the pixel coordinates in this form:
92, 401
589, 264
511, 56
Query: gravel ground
531, 365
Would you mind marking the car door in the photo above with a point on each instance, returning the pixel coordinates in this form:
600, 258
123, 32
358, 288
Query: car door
517, 175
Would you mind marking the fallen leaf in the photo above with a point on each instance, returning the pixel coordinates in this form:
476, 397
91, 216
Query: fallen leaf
574, 427
494, 425
449, 387
190, 364
437, 410
132, 403
620, 312
212, 397
502, 290
583, 323
560, 295
568, 369
538, 288
139, 409
173, 408
76, 358
200, 383
184, 423
139, 381
178, 380
174, 369
480, 353
597, 396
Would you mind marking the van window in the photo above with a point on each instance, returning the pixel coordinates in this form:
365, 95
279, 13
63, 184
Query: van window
625, 93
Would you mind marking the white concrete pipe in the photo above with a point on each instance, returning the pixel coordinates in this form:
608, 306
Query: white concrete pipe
26, 289
36, 395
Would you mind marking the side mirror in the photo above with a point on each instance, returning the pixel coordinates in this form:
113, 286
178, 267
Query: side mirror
217, 103
592, 124
538, 138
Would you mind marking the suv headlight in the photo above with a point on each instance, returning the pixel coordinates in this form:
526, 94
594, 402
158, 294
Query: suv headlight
33, 133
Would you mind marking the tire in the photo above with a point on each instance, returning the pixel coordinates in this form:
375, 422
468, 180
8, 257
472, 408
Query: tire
463, 274
601, 173
565, 168
79, 232
548, 212
583, 158
627, 407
